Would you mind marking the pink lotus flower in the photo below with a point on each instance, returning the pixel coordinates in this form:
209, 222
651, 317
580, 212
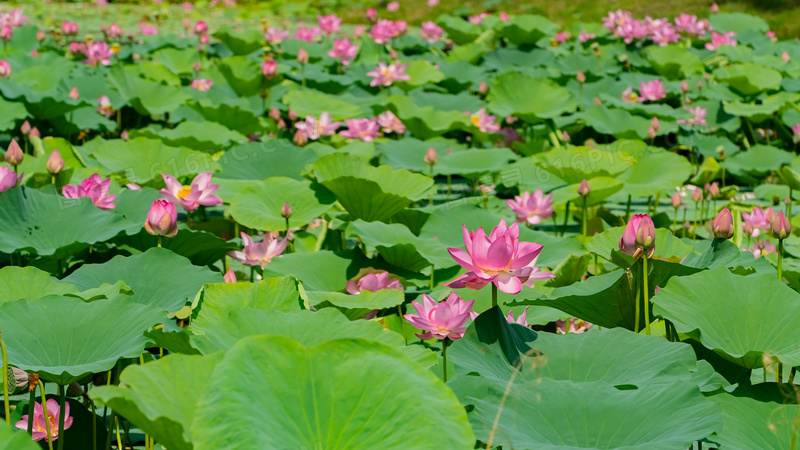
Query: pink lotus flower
230, 276
477, 19
532, 208
105, 106
147, 30
6, 32
8, 178
276, 35
97, 53
652, 90
162, 219
431, 32
373, 282
500, 259
718, 39
390, 123
631, 30
94, 187
40, 421
364, 129
616, 18
14, 18
771, 34
329, 24
664, 34
371, 15
307, 34
521, 320
503, 16
259, 253
383, 31
5, 68
55, 163
690, 24
698, 119
200, 27
441, 320
562, 36
200, 192
269, 68
315, 128
114, 31
359, 31
584, 36
385, 75
393, 6
344, 50
758, 220
202, 84
714, 8
433, 3
484, 122
73, 93
639, 235
13, 154
69, 28
762, 247
575, 326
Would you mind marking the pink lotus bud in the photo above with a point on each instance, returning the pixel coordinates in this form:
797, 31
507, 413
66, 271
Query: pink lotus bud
581, 77
646, 234
787, 200
393, 54
697, 194
781, 228
300, 138
714, 8
359, 31
712, 189
124, 135
785, 57
687, 225
133, 187
684, 86
25, 128
14, 155
197, 67
583, 189
676, 200
723, 224
302, 56
565, 136
292, 115
6, 32
372, 15
482, 88
286, 210
162, 220
40, 35
270, 68
34, 132
655, 125
699, 84
431, 157
55, 163
597, 101
275, 114
230, 276
73, 93
200, 27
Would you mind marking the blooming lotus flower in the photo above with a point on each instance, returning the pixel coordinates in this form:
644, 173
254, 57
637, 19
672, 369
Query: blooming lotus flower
631, 30
698, 119
69, 28
269, 68
94, 187
691, 25
373, 282
147, 30
6, 32
40, 421
532, 208
521, 320
652, 90
162, 219
477, 19
200, 192
371, 15
8, 178
385, 75
105, 106
5, 68
364, 129
562, 37
665, 34
400, 28
14, 18
230, 276
630, 244
259, 253
393, 6
431, 32
315, 128
484, 122
329, 24
307, 34
718, 39
343, 50
758, 220
97, 53
276, 35
584, 36
627, 96
201, 84
200, 27
441, 320
55, 163
616, 18
390, 123
722, 226
762, 247
499, 258
575, 326
383, 31
114, 31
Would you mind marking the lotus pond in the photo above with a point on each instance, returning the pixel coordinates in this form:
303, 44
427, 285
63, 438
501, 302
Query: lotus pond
481, 232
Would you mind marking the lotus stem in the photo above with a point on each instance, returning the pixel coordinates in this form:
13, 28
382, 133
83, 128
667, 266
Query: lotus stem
444, 360
432, 274
779, 373
5, 382
49, 436
119, 438
675, 222
566, 218
789, 207
628, 210
62, 399
646, 295
638, 312
585, 218
449, 180
694, 230
780, 259
159, 241
31, 405
494, 295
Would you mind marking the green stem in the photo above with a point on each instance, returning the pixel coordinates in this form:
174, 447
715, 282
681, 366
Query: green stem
675, 222
449, 179
555, 226
780, 259
49, 436
444, 360
402, 322
566, 218
119, 438
94, 426
5, 382
432, 273
159, 241
585, 216
646, 295
628, 210
31, 404
494, 295
430, 198
62, 399
789, 207
638, 312
694, 230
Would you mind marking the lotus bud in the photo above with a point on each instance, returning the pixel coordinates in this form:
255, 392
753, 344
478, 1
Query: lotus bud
74, 389
286, 210
684, 86
393, 55
302, 56
785, 57
597, 101
162, 220
787, 200
40, 35
5, 33
645, 235
124, 135
655, 125
699, 84
565, 136
581, 77
230, 276
431, 157
714, 8
200, 27
14, 155
359, 31
25, 128
781, 228
300, 139
676, 200
482, 88
723, 224
583, 189
697, 194
292, 115
73, 93
55, 163
34, 133
270, 68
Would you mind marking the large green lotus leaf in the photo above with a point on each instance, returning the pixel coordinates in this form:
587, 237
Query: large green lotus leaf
525, 29
427, 121
737, 22
160, 397
12, 438
400, 247
734, 325
359, 304
308, 102
220, 299
749, 423
366, 192
264, 159
553, 414
209, 137
258, 206
656, 171
458, 29
233, 117
200, 247
759, 112
290, 402
759, 160
306, 327
460, 102
30, 283
543, 98
616, 122
146, 96
318, 271
50, 224
178, 61
142, 160
601, 188
474, 51
529, 175
422, 73
157, 276
72, 338
244, 75
674, 62
12, 112
240, 42
749, 78
574, 164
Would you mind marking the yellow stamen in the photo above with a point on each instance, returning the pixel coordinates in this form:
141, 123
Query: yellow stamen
475, 120
185, 191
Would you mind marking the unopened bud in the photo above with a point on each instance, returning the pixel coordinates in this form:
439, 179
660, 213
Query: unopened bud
55, 163
676, 200
302, 56
723, 224
781, 228
14, 155
581, 77
286, 210
583, 189
300, 139
431, 157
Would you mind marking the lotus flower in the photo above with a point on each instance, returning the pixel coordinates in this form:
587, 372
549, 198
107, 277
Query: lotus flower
521, 320
383, 31
69, 28
115, 31
652, 90
315, 128
629, 242
200, 192
390, 123
584, 189
8, 178
722, 226
329, 24
364, 129
162, 219
105, 106
5, 68
73, 93
94, 187
201, 84
691, 25
147, 30
718, 39
575, 326
431, 32
562, 36
97, 53
269, 68
532, 208
14, 155
230, 276
40, 422
762, 247
55, 163
307, 34
500, 259
485, 122
276, 35
385, 75
441, 320
259, 253
584, 36
698, 119
781, 228
373, 282
343, 50
758, 220
200, 27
